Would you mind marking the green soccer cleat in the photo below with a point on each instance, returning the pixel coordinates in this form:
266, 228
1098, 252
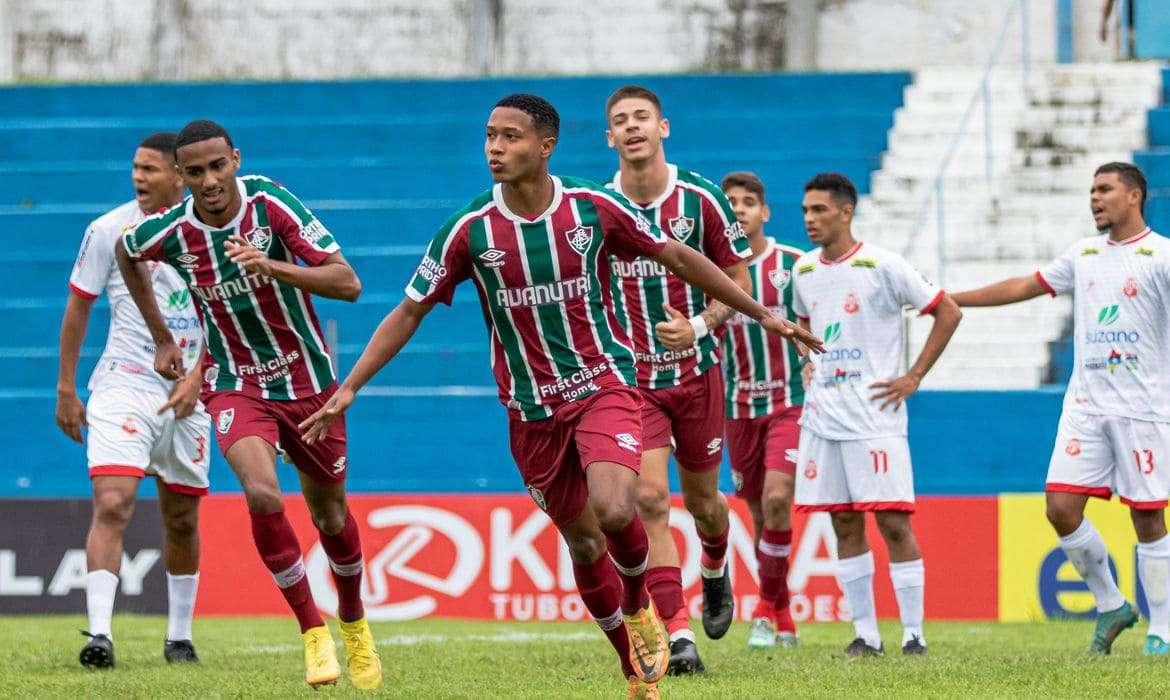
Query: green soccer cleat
762, 634
1109, 625
1155, 646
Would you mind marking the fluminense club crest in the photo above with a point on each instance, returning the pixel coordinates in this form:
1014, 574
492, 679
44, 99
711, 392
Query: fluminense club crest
780, 278
681, 227
580, 238
261, 237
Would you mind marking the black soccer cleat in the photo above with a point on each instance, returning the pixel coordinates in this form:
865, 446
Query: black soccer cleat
914, 647
98, 652
718, 604
684, 659
180, 652
858, 649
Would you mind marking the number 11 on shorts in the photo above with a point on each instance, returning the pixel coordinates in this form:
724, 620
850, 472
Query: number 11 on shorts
881, 461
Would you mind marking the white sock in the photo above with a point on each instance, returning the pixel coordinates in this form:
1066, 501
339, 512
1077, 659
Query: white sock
1154, 570
100, 588
684, 633
181, 590
1086, 550
909, 579
855, 576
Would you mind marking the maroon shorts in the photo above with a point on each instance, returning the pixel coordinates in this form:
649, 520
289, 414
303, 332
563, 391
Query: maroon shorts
690, 413
236, 415
757, 445
552, 454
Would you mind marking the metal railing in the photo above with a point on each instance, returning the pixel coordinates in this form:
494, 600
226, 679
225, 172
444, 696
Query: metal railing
981, 97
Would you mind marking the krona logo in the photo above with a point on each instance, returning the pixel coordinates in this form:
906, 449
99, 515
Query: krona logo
1108, 315
832, 332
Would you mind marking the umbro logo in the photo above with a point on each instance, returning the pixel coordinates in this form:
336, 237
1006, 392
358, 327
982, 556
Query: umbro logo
339, 465
714, 445
492, 257
627, 441
187, 260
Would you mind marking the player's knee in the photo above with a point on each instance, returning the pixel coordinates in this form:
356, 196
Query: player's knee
704, 507
777, 506
182, 526
330, 519
263, 500
585, 549
614, 516
653, 502
113, 508
1149, 525
849, 526
1063, 519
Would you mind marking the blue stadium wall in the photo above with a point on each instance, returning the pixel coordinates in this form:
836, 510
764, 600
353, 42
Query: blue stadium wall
382, 164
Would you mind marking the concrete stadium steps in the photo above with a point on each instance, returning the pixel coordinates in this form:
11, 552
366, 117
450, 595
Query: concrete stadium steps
181, 101
1155, 161
1046, 144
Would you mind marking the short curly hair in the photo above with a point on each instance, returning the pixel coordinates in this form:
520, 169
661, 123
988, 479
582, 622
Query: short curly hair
544, 115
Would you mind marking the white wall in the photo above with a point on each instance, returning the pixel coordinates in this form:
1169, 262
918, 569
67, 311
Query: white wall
71, 40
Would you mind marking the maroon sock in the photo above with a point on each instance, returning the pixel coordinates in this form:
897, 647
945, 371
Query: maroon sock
278, 547
775, 546
345, 560
601, 591
665, 586
714, 549
630, 549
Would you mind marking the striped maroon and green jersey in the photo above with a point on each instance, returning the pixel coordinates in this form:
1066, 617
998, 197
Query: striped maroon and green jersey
544, 287
696, 213
762, 370
262, 334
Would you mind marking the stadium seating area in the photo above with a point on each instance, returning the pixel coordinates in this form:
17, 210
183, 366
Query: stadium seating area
1155, 160
382, 164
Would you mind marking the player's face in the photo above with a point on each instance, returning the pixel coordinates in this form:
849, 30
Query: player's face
636, 129
750, 211
515, 150
155, 179
824, 219
1111, 201
208, 169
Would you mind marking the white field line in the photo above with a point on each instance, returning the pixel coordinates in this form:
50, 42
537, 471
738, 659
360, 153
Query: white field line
413, 639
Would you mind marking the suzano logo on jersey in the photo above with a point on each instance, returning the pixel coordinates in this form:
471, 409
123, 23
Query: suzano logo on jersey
832, 332
831, 335
1108, 315
178, 300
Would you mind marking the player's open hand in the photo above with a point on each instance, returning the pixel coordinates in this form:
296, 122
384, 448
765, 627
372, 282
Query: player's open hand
895, 391
315, 426
184, 396
70, 414
248, 256
168, 360
676, 334
804, 339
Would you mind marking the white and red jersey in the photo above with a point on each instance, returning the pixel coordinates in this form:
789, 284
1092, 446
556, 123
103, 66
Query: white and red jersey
855, 303
1121, 330
129, 348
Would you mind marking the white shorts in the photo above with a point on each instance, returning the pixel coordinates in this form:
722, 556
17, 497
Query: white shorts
127, 437
1097, 455
839, 475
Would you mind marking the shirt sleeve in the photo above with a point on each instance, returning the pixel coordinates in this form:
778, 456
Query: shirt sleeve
95, 262
446, 263
1059, 276
298, 228
628, 233
910, 288
798, 304
724, 240
145, 240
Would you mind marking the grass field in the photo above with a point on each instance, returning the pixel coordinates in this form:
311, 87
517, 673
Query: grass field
260, 657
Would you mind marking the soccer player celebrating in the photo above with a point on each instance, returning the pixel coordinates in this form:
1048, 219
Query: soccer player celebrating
139, 422
235, 242
1114, 431
537, 248
764, 394
853, 454
682, 390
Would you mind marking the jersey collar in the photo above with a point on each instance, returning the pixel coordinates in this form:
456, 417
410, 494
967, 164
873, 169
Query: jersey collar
849, 254
671, 181
498, 199
234, 223
1132, 239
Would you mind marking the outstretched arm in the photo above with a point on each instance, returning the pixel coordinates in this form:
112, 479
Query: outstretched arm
895, 391
391, 336
333, 278
168, 359
696, 270
1007, 291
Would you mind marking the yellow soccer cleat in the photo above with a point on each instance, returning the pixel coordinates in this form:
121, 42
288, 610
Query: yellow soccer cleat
321, 667
361, 655
642, 691
649, 651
